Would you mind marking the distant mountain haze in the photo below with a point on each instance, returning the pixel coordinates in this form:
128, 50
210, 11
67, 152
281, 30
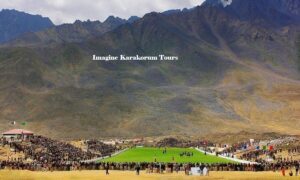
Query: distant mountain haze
14, 23
277, 12
76, 32
68, 11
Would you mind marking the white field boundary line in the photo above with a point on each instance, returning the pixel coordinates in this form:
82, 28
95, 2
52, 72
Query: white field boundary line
105, 157
229, 158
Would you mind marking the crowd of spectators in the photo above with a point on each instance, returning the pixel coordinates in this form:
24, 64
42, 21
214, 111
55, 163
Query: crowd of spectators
97, 146
149, 167
46, 154
173, 142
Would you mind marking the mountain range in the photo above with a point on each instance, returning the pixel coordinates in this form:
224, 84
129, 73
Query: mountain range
238, 70
76, 32
14, 23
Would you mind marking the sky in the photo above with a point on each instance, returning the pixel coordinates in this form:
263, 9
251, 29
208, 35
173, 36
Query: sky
67, 11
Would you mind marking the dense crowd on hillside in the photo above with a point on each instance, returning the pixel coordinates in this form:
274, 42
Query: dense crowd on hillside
294, 150
253, 151
52, 155
44, 152
236, 147
98, 146
42, 149
173, 142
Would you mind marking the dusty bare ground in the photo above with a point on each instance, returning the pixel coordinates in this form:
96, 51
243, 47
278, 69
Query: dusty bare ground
118, 175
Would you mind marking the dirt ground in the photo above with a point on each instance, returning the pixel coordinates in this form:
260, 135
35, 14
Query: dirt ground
119, 175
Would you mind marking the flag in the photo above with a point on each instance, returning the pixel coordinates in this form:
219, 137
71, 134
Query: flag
264, 147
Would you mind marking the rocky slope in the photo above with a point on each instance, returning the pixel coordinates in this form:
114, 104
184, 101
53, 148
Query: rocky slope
233, 75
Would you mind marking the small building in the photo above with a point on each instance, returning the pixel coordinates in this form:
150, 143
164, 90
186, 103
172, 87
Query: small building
17, 134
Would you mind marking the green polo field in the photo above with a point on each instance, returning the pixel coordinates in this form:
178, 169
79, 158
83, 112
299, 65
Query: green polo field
147, 154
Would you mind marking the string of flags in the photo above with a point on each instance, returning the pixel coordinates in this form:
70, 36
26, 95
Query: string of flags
251, 146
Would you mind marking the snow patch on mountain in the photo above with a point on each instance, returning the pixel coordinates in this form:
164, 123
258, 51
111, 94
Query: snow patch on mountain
226, 2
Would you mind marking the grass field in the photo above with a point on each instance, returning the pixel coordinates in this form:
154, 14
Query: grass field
147, 154
130, 175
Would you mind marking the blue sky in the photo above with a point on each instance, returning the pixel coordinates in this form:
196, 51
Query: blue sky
67, 11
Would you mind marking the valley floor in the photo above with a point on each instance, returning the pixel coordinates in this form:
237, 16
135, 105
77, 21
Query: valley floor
28, 175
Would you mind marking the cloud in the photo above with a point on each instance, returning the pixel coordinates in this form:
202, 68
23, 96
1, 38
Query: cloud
67, 11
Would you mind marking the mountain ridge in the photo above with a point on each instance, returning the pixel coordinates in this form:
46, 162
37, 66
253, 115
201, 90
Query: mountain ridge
232, 75
272, 12
69, 33
15, 23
